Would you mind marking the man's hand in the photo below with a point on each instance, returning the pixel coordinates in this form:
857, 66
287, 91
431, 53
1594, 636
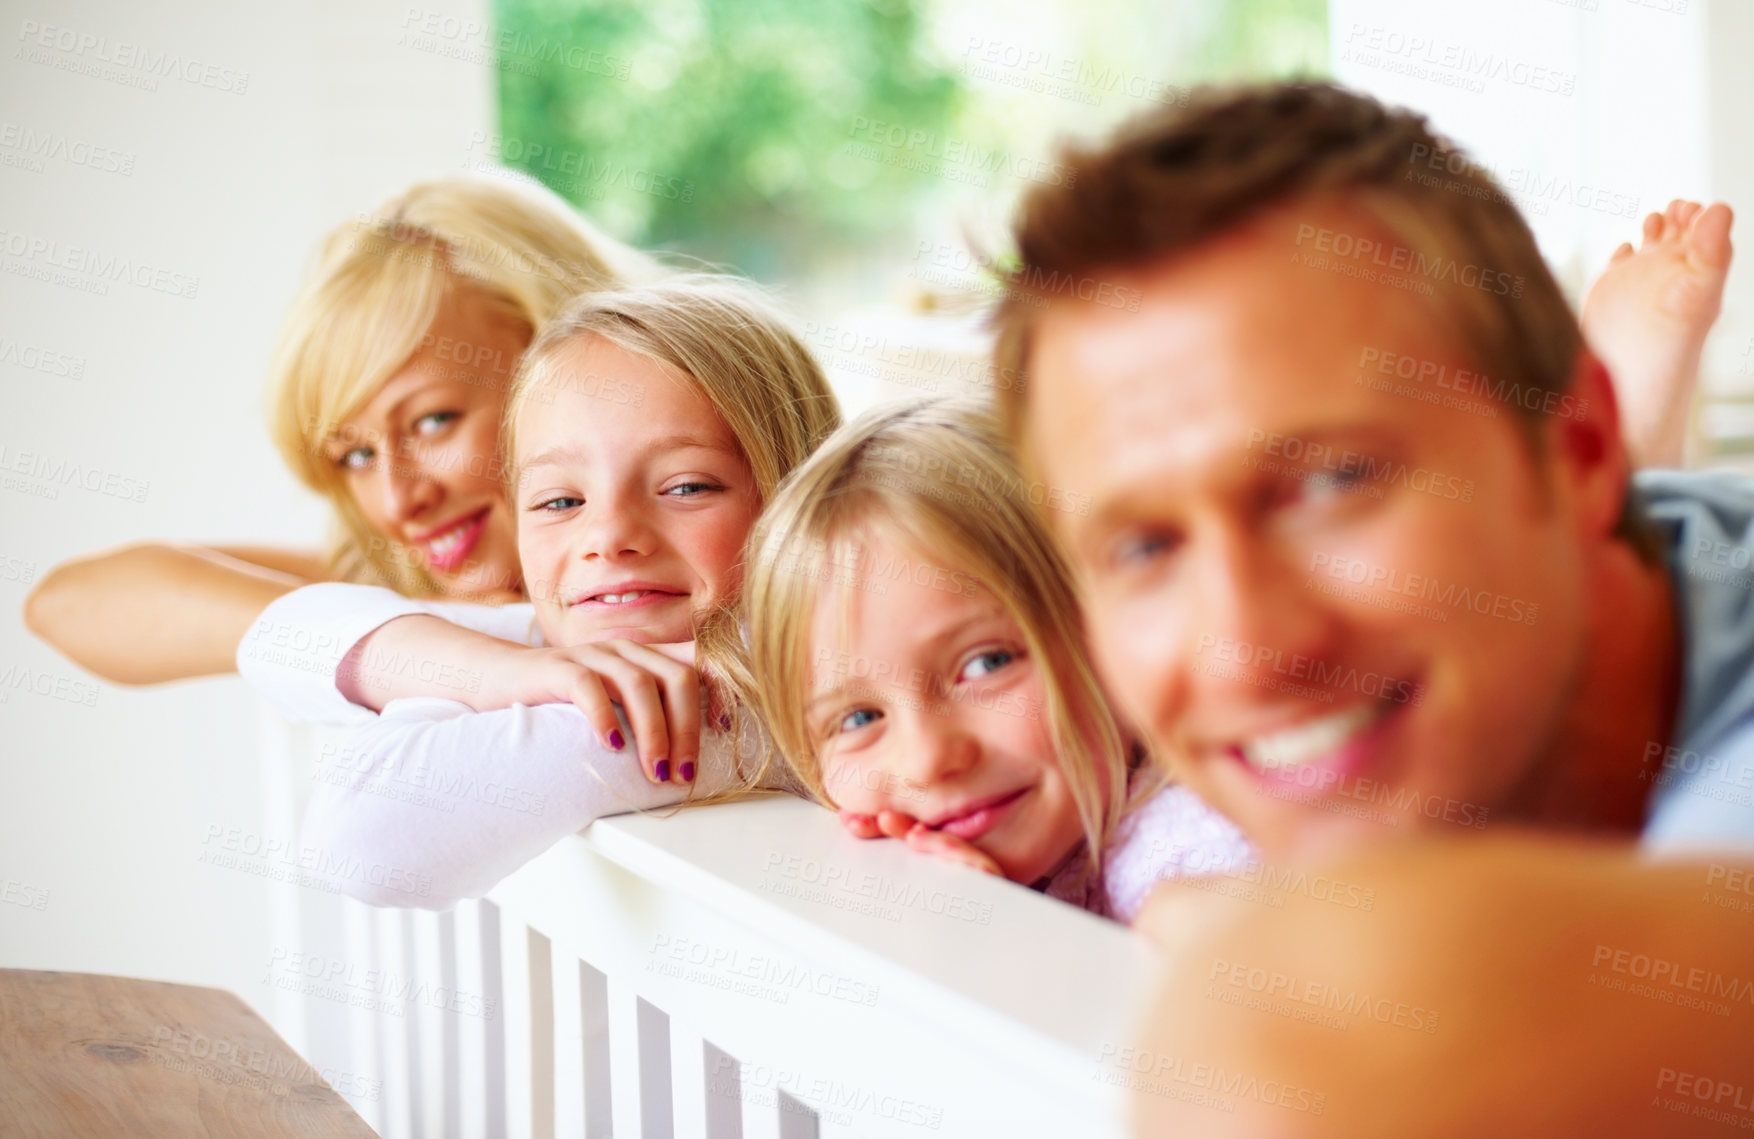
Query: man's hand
1506, 986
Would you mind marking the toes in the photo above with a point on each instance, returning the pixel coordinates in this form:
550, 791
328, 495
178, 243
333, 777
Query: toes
1709, 237
1653, 228
1672, 215
1621, 253
1689, 211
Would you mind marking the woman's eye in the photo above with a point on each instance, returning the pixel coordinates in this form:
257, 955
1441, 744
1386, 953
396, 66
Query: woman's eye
856, 719
358, 459
984, 664
558, 502
430, 423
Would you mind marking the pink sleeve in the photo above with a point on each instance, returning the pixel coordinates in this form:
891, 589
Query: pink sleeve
1170, 835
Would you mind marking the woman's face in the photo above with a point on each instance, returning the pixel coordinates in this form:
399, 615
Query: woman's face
421, 459
634, 499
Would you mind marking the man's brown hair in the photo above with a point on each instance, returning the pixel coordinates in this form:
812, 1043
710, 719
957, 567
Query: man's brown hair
1171, 180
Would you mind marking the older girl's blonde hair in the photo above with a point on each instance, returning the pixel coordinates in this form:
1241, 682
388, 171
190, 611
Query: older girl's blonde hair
371, 299
714, 332
937, 475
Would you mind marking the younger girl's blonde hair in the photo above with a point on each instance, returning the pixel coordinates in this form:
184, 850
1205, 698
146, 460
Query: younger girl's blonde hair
718, 334
369, 303
937, 475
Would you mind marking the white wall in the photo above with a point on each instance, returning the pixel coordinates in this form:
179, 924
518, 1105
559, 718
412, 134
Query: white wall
1593, 109
106, 797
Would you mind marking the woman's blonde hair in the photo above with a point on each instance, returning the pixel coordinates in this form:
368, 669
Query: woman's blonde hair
937, 475
369, 303
720, 335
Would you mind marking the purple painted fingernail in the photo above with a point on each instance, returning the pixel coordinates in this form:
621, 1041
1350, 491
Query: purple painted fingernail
615, 740
688, 771
663, 771
724, 721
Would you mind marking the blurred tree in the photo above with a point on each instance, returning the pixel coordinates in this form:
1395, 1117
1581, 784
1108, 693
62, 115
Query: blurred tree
718, 126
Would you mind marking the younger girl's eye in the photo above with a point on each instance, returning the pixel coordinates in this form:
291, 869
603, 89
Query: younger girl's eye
691, 489
986, 663
856, 719
558, 502
430, 423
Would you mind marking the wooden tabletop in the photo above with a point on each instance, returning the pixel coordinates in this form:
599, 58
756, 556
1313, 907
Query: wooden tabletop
92, 1056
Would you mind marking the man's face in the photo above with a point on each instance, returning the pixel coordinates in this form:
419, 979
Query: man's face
1340, 603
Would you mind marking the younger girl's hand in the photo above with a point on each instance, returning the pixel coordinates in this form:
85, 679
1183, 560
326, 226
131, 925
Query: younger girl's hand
921, 838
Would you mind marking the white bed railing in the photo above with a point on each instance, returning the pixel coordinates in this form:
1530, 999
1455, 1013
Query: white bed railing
744, 970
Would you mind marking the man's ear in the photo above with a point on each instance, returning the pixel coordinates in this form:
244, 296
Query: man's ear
1587, 447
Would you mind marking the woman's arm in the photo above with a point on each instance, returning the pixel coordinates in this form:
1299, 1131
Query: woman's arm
155, 612
432, 803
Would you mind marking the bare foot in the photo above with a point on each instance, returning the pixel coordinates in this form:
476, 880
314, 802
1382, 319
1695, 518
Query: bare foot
1647, 316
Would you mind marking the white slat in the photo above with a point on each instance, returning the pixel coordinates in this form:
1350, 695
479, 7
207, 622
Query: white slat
599, 1053
688, 1105
569, 1046
722, 1091
471, 1080
399, 1071
514, 942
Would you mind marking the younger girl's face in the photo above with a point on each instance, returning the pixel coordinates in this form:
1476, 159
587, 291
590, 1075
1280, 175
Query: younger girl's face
925, 701
633, 499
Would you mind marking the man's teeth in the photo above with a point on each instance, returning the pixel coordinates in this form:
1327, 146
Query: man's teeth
623, 598
1307, 741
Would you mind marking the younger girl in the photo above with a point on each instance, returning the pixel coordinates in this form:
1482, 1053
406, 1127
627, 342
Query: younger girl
915, 650
645, 429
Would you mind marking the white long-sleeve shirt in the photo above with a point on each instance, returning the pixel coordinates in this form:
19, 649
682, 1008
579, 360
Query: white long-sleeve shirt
431, 801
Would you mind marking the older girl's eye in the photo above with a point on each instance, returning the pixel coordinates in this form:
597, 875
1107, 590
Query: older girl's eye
558, 502
690, 489
856, 719
986, 663
430, 423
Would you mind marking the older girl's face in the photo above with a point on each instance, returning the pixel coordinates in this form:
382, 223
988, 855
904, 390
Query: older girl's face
421, 459
633, 495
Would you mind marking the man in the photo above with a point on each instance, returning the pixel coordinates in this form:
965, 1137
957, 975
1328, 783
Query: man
1362, 559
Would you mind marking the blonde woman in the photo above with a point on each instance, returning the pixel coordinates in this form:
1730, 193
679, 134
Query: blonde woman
386, 398
646, 428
